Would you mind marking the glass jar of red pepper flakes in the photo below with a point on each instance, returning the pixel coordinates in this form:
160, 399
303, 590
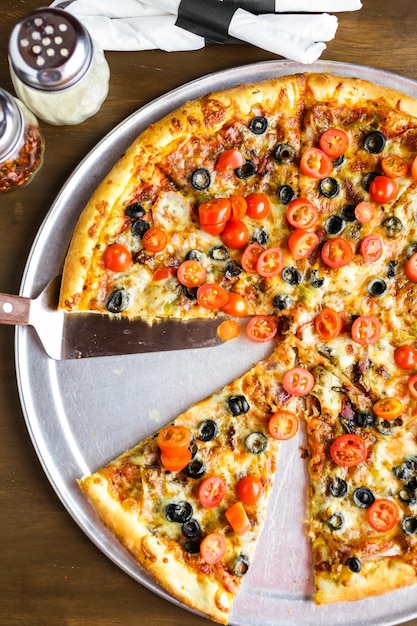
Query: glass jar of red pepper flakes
21, 143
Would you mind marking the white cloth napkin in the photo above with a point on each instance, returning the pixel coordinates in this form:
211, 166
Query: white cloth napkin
151, 24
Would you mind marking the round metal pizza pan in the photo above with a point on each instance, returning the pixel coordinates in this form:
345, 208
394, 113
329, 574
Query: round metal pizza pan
82, 413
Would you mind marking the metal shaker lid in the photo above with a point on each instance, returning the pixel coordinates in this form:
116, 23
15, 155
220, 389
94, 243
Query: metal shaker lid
50, 50
11, 125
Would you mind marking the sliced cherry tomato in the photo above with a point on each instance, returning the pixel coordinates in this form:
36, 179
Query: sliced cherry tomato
383, 515
366, 330
154, 239
214, 211
212, 548
337, 252
191, 273
238, 519
283, 424
212, 296
258, 206
261, 328
334, 142
249, 489
411, 268
211, 491
117, 258
174, 440
301, 213
235, 234
214, 229
371, 248
394, 166
239, 206
301, 243
229, 160
314, 162
412, 385
176, 463
250, 257
414, 168
388, 408
348, 450
298, 381
227, 330
162, 273
270, 262
236, 305
364, 212
383, 189
328, 324
406, 357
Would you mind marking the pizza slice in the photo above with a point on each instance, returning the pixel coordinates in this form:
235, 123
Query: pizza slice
189, 502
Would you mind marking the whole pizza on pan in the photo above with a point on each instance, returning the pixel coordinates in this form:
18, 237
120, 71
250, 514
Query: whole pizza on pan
291, 202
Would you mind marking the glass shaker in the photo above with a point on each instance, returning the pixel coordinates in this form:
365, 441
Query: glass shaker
56, 68
21, 143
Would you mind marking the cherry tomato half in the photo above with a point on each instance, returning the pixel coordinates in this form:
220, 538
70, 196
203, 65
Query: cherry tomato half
394, 166
301, 213
214, 211
383, 189
371, 248
235, 234
411, 268
314, 162
250, 257
414, 168
364, 212
336, 252
388, 408
301, 243
229, 160
283, 424
228, 329
191, 273
366, 330
178, 462
162, 273
412, 385
117, 258
258, 206
334, 142
249, 489
261, 328
298, 381
383, 515
154, 239
212, 296
238, 205
328, 324
405, 357
211, 491
236, 305
270, 262
348, 450
173, 440
237, 518
212, 548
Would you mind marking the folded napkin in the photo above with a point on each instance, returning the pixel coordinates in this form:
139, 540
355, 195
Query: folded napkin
181, 25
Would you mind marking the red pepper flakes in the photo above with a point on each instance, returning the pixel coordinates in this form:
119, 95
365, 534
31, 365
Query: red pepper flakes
16, 172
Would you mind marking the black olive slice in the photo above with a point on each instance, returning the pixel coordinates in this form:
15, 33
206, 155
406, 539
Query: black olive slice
285, 194
191, 528
363, 420
408, 494
336, 521
201, 179
240, 565
347, 213
256, 443
284, 153
329, 187
189, 292
315, 280
191, 546
391, 269
409, 525
195, 468
261, 237
363, 497
207, 430
238, 405
139, 228
291, 275
282, 301
339, 161
393, 226
258, 125
334, 225
232, 269
118, 301
178, 512
338, 487
245, 170
135, 210
386, 427
219, 253
377, 287
374, 142
368, 178
353, 564
195, 255
403, 472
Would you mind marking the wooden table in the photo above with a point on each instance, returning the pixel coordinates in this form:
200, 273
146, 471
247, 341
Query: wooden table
50, 572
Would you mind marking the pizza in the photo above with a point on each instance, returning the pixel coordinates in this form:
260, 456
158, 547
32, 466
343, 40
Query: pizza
291, 204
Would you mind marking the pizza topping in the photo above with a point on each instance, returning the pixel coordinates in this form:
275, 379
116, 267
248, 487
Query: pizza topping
258, 206
298, 381
394, 166
383, 515
285, 194
315, 163
236, 305
388, 408
139, 228
117, 258
238, 206
282, 301
377, 287
353, 564
249, 489
328, 324
238, 405
393, 226
135, 210
301, 243
191, 528
195, 468
176, 462
412, 385
240, 565
406, 357
411, 268
366, 330
229, 160
212, 296
261, 328
250, 257
201, 179
364, 212
235, 234
211, 491
258, 125
285, 153
338, 487
270, 262
315, 280
383, 189
374, 142
337, 252
118, 301
238, 519
179, 512
363, 497
334, 142
301, 213
173, 439
248, 169
371, 248
207, 430
212, 548
409, 525
334, 225
348, 450
256, 443
336, 521
329, 187
283, 424
214, 212
291, 275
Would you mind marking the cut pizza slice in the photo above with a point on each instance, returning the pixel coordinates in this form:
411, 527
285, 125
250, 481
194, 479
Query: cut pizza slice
190, 501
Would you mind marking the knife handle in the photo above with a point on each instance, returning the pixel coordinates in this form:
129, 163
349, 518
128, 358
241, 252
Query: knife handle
14, 309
